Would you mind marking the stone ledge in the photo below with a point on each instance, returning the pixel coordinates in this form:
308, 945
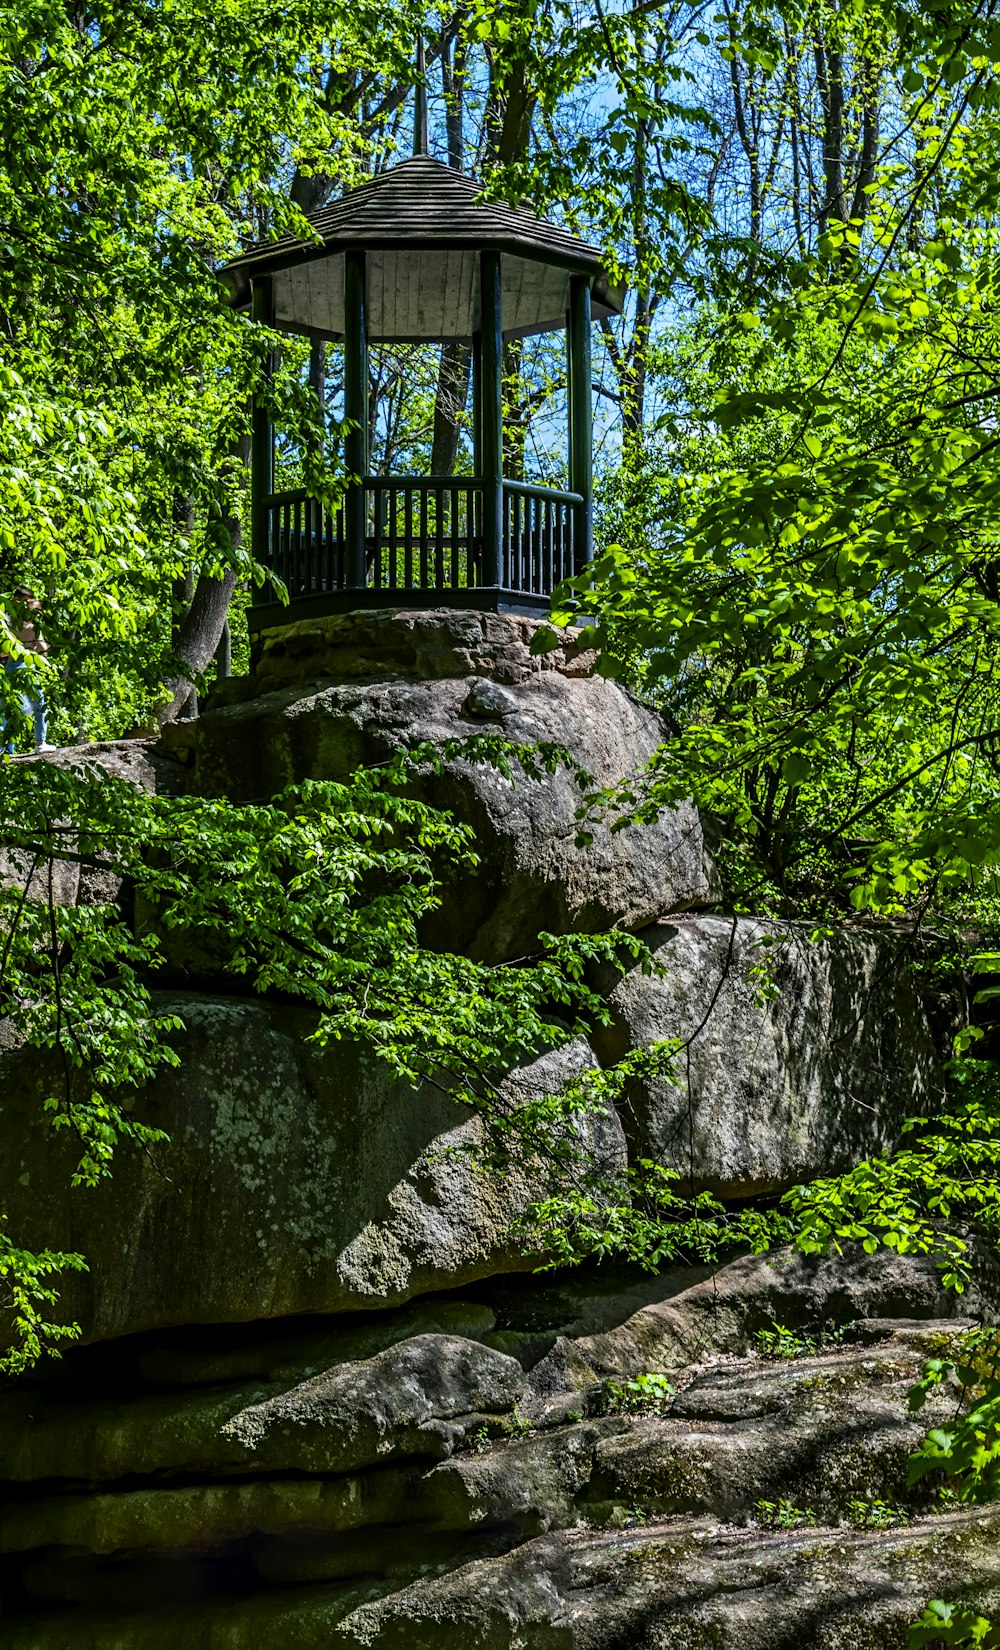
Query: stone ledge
390, 644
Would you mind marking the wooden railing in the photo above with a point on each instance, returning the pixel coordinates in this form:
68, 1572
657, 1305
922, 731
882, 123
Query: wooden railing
305, 543
539, 537
424, 533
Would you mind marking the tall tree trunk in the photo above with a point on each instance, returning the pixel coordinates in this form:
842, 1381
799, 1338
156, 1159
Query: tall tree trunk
868, 85
183, 593
830, 80
224, 653
450, 401
455, 369
200, 630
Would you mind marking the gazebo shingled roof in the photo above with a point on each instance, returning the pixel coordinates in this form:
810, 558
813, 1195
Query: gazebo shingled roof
423, 226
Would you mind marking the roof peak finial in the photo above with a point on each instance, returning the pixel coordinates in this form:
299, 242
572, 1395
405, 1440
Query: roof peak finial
420, 140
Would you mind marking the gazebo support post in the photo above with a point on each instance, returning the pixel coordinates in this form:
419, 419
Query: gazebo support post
356, 413
490, 419
581, 439
261, 435
477, 403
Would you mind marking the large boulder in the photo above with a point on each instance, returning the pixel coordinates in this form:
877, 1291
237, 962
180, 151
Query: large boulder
296, 1179
331, 695
797, 1058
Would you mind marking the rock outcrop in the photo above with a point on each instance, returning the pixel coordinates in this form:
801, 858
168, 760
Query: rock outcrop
798, 1056
322, 1401
437, 1492
296, 1179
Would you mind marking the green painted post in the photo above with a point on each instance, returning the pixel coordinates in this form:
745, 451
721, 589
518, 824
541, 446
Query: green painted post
477, 404
261, 436
491, 417
356, 412
581, 416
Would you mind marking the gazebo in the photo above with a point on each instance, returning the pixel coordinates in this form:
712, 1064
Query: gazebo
417, 255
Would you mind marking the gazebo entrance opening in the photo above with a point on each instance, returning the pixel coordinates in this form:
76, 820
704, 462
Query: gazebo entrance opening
411, 257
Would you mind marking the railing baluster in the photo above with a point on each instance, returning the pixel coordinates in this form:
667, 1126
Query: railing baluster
509, 558
531, 544
382, 529
393, 536
439, 497
422, 538
408, 537
569, 565
375, 494
456, 495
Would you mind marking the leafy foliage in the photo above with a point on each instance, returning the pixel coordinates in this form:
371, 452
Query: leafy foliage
781, 1343
923, 1198
967, 1450
950, 1624
783, 1515
646, 1394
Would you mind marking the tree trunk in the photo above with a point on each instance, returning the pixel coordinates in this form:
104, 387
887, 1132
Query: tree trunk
454, 372
200, 630
224, 654
449, 405
830, 80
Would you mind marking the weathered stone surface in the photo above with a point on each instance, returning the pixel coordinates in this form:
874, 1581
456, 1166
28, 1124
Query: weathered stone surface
139, 761
415, 1400
412, 1399
393, 680
401, 1402
722, 1312
296, 1179
424, 645
690, 1589
693, 1587
778, 1088
276, 1484
820, 1433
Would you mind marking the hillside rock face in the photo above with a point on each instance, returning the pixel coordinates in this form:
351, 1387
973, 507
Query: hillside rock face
321, 1398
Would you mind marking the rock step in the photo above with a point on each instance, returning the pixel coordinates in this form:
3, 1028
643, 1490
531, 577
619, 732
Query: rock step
674, 1586
822, 1433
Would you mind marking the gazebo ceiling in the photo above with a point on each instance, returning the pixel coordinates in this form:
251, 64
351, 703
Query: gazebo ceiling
421, 225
